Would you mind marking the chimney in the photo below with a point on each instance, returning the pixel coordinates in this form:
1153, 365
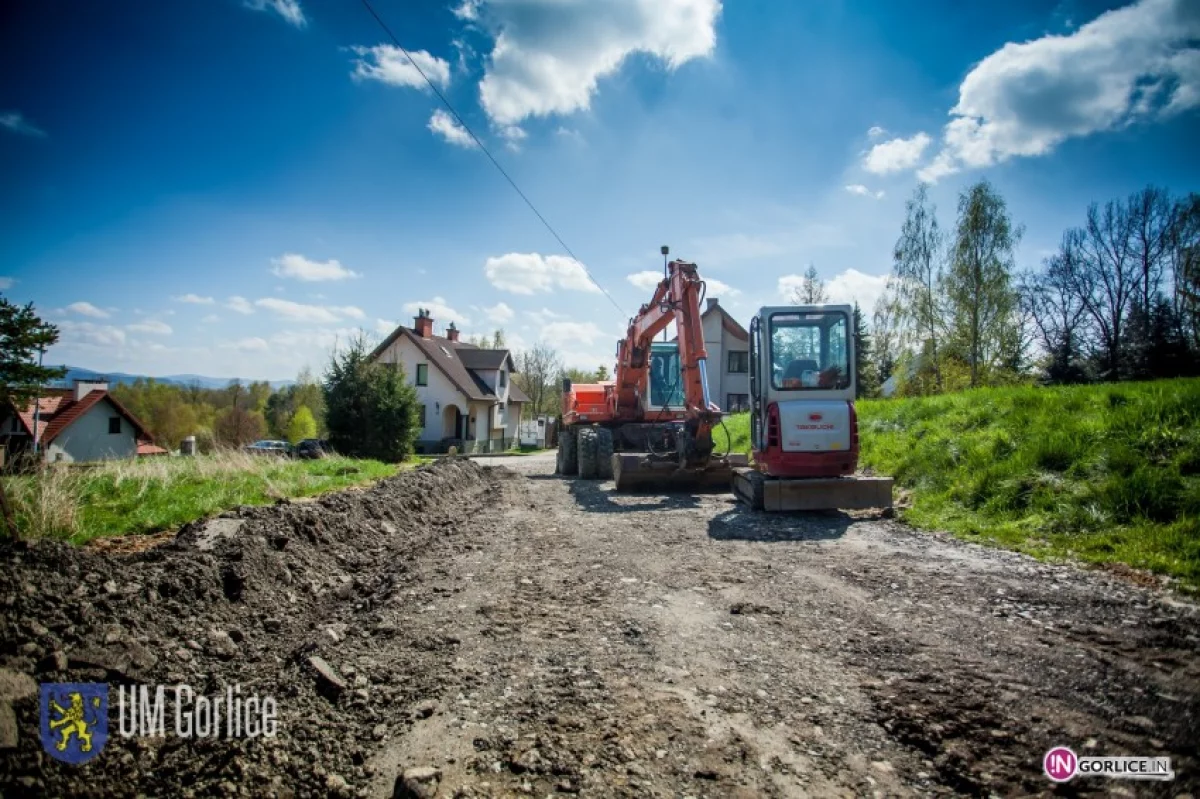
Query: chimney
85, 387
423, 323
709, 304
452, 332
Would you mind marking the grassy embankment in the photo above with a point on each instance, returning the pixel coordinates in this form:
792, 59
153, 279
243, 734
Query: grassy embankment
152, 494
1104, 474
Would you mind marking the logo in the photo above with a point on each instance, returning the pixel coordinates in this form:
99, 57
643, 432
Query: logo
815, 417
74, 720
1060, 764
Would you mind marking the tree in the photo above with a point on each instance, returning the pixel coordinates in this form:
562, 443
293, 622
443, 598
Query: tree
982, 302
237, 426
1109, 278
811, 290
887, 333
498, 339
1183, 256
302, 425
865, 380
919, 269
601, 373
370, 408
1058, 315
537, 375
23, 336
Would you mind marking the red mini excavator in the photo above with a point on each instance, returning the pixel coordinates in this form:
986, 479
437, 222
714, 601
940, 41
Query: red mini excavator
651, 426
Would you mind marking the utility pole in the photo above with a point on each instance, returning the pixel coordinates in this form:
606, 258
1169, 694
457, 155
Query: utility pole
37, 408
665, 250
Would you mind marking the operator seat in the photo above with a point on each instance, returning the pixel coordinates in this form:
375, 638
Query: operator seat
796, 369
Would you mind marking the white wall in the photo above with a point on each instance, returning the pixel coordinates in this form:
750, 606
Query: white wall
440, 389
719, 342
88, 439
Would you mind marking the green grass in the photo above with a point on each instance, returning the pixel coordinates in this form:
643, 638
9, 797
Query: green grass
148, 495
1104, 474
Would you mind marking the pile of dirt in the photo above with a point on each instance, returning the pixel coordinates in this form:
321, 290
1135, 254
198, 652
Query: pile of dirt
297, 601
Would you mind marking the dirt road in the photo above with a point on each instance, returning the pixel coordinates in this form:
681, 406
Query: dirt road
514, 633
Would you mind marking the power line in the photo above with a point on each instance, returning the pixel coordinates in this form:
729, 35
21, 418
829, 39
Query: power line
488, 153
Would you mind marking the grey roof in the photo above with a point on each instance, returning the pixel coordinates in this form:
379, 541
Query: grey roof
458, 361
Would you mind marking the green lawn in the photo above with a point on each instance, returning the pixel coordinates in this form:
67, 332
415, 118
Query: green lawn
1103, 474
152, 494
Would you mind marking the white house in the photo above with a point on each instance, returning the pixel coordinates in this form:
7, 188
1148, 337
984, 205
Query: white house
466, 392
83, 423
728, 346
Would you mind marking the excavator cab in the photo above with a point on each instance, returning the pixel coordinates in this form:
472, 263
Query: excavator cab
803, 425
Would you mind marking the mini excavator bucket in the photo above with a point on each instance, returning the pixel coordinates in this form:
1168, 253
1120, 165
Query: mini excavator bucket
813, 493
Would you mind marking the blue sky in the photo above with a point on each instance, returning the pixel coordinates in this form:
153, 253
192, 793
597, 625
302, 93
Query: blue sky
229, 187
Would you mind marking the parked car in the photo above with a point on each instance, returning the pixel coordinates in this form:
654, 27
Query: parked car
311, 449
280, 449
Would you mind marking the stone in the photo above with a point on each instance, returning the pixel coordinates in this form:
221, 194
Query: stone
425, 709
8, 726
329, 683
15, 685
272, 625
336, 785
221, 645
420, 782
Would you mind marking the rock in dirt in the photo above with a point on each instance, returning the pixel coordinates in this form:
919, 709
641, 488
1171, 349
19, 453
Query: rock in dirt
420, 782
329, 683
8, 725
14, 685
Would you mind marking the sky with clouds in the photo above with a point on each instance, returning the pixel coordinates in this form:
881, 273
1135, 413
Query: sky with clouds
231, 187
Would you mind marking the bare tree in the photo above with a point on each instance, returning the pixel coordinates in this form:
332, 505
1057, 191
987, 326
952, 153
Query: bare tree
1151, 219
1057, 312
811, 290
919, 270
1110, 277
538, 369
1183, 258
982, 302
887, 332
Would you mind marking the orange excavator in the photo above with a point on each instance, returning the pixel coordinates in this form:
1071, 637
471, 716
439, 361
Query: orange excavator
652, 425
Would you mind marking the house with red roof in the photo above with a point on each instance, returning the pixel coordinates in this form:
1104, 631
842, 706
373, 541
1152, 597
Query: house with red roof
82, 423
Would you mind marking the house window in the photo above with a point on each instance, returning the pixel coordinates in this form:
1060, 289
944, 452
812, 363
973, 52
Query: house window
422, 407
114, 425
738, 361
16, 425
422, 374
736, 403
503, 378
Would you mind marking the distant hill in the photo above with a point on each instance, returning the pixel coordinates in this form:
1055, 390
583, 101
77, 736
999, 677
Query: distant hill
120, 378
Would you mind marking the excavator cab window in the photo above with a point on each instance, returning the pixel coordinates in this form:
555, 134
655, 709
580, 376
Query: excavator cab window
810, 351
666, 380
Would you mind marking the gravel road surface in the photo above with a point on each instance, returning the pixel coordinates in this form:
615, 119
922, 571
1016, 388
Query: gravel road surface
492, 630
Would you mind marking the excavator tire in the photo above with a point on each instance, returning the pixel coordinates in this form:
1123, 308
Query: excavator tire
567, 464
587, 453
604, 453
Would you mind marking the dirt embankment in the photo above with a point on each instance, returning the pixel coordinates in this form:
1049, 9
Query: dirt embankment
495, 634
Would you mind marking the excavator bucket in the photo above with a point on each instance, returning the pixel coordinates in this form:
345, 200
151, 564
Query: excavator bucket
819, 493
642, 473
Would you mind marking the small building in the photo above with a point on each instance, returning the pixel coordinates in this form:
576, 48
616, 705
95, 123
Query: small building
728, 346
468, 399
82, 423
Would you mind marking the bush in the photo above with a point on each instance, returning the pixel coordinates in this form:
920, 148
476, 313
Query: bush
370, 409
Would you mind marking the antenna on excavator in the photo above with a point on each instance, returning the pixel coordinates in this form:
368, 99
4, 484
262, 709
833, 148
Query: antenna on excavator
665, 250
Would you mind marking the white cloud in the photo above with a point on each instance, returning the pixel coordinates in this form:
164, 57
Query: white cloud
439, 310
717, 288
544, 316
569, 333
152, 326
387, 64
1132, 64
444, 125
349, 311
300, 268
647, 280
194, 299
239, 304
549, 55
499, 313
384, 326
87, 309
896, 155
467, 10
530, 273
250, 344
89, 333
845, 288
210, 319
863, 191
7, 283
15, 122
875, 132
288, 9
296, 311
